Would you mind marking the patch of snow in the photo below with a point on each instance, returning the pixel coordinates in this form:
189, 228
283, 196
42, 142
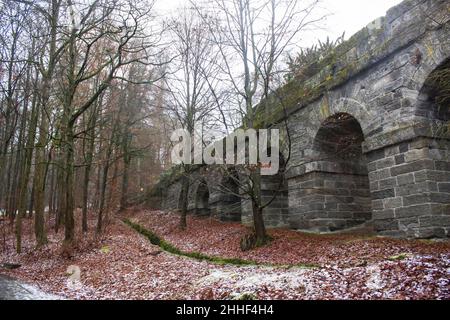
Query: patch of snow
251, 279
374, 282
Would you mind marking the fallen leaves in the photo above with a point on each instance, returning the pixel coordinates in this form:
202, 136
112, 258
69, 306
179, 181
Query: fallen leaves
288, 247
124, 265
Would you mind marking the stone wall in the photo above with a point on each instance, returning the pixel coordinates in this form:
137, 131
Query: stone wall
324, 201
410, 185
209, 195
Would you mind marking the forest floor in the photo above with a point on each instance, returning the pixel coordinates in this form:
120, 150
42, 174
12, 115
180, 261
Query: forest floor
123, 264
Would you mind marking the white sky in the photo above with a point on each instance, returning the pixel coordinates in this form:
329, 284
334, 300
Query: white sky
353, 15
346, 15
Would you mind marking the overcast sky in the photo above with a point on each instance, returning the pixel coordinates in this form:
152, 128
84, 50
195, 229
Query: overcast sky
353, 15
345, 15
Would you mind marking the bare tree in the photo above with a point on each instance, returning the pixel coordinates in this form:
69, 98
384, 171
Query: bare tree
19, 101
108, 36
191, 84
252, 37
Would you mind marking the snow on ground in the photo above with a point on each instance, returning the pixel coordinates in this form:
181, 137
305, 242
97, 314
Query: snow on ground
287, 248
11, 289
124, 265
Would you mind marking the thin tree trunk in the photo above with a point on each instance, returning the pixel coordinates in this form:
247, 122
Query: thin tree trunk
31, 202
104, 182
9, 183
25, 174
112, 188
39, 182
69, 232
51, 204
61, 186
184, 200
126, 166
88, 166
41, 165
258, 219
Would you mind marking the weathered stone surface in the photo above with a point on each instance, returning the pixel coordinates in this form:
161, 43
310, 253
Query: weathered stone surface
434, 221
384, 214
412, 167
383, 194
428, 233
444, 187
388, 183
405, 179
386, 224
392, 203
419, 210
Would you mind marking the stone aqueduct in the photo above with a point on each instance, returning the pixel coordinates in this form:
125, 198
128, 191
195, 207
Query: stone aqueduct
378, 90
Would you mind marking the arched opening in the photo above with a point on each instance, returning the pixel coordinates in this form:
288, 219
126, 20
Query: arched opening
339, 140
336, 194
434, 98
202, 200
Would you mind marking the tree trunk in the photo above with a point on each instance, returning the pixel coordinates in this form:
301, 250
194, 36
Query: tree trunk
87, 172
41, 166
51, 203
126, 166
184, 200
112, 189
25, 175
102, 197
258, 219
61, 186
105, 180
39, 181
31, 203
260, 229
69, 232
88, 167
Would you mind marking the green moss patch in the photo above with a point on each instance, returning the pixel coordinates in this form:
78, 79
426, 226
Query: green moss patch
401, 256
168, 247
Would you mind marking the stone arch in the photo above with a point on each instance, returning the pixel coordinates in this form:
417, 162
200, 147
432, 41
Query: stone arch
357, 109
202, 197
330, 106
433, 55
410, 170
334, 191
339, 139
433, 102
422, 162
